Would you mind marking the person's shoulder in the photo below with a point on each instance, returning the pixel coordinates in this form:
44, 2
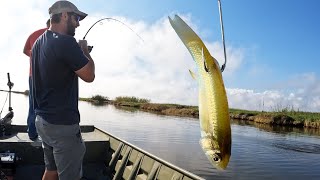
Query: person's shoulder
39, 31
60, 41
57, 37
62, 37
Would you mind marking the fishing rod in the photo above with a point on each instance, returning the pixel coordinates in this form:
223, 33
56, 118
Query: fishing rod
5, 122
10, 84
222, 34
108, 18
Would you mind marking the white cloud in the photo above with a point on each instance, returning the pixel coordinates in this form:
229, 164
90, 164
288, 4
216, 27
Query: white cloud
297, 99
19, 20
156, 69
125, 65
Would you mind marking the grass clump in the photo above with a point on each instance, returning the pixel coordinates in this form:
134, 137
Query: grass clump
131, 99
242, 112
99, 98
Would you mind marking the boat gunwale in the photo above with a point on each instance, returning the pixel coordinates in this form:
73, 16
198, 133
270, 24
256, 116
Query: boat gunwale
174, 167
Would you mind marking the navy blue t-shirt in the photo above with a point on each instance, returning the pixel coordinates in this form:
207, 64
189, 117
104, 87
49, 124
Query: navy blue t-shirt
55, 58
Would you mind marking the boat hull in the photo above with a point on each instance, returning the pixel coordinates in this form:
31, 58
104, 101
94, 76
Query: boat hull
107, 157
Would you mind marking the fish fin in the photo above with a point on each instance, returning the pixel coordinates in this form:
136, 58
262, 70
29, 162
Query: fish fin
204, 61
193, 75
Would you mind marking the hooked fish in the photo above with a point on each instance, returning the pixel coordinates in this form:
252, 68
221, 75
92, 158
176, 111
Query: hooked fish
213, 104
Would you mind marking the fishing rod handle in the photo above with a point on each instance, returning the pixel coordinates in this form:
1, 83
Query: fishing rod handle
8, 77
10, 84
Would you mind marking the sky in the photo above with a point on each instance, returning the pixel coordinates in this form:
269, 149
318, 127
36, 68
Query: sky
273, 49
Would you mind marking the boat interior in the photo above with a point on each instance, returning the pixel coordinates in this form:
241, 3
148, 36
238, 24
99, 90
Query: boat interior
22, 158
107, 157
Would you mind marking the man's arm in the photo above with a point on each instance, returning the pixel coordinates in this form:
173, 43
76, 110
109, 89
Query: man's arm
87, 72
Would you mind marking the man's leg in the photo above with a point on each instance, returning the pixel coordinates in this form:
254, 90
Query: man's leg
51, 169
69, 152
63, 148
50, 175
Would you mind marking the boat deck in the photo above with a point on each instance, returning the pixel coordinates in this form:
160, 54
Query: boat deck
30, 155
107, 157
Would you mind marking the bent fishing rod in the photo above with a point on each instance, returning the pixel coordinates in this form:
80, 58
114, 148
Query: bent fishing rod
108, 18
222, 34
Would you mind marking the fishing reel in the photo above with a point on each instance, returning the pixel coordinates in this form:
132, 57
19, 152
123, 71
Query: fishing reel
5, 122
90, 48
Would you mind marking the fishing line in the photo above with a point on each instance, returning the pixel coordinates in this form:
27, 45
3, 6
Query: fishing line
222, 34
108, 18
4, 104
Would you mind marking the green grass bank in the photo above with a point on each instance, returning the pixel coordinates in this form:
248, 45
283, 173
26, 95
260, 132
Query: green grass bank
282, 117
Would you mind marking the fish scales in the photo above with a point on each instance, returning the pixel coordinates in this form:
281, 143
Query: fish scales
213, 104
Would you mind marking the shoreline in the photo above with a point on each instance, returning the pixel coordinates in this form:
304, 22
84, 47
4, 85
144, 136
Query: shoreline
272, 118
279, 120
282, 117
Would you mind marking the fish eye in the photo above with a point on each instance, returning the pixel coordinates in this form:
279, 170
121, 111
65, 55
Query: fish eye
217, 158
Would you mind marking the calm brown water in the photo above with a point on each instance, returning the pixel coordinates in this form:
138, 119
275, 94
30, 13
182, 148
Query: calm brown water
258, 151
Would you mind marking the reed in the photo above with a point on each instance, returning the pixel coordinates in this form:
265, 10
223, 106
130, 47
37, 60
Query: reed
131, 99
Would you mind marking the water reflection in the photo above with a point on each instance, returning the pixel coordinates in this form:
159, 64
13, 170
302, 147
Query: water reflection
125, 108
258, 151
289, 144
279, 129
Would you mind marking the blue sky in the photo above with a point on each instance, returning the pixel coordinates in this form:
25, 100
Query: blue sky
273, 49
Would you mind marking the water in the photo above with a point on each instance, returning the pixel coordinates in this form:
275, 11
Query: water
258, 151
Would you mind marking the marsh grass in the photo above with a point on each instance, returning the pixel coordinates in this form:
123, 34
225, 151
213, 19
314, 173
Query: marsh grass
100, 98
279, 115
296, 113
131, 99
242, 111
96, 100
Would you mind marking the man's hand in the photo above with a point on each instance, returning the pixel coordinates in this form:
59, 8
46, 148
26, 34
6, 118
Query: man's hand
84, 46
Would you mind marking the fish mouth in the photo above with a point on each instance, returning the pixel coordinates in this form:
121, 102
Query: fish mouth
217, 159
217, 156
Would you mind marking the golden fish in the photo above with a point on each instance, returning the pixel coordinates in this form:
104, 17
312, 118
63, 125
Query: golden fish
213, 104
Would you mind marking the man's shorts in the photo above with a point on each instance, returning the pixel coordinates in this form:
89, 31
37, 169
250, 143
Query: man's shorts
63, 148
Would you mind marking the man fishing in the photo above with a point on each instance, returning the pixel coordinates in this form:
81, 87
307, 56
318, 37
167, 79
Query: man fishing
57, 62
